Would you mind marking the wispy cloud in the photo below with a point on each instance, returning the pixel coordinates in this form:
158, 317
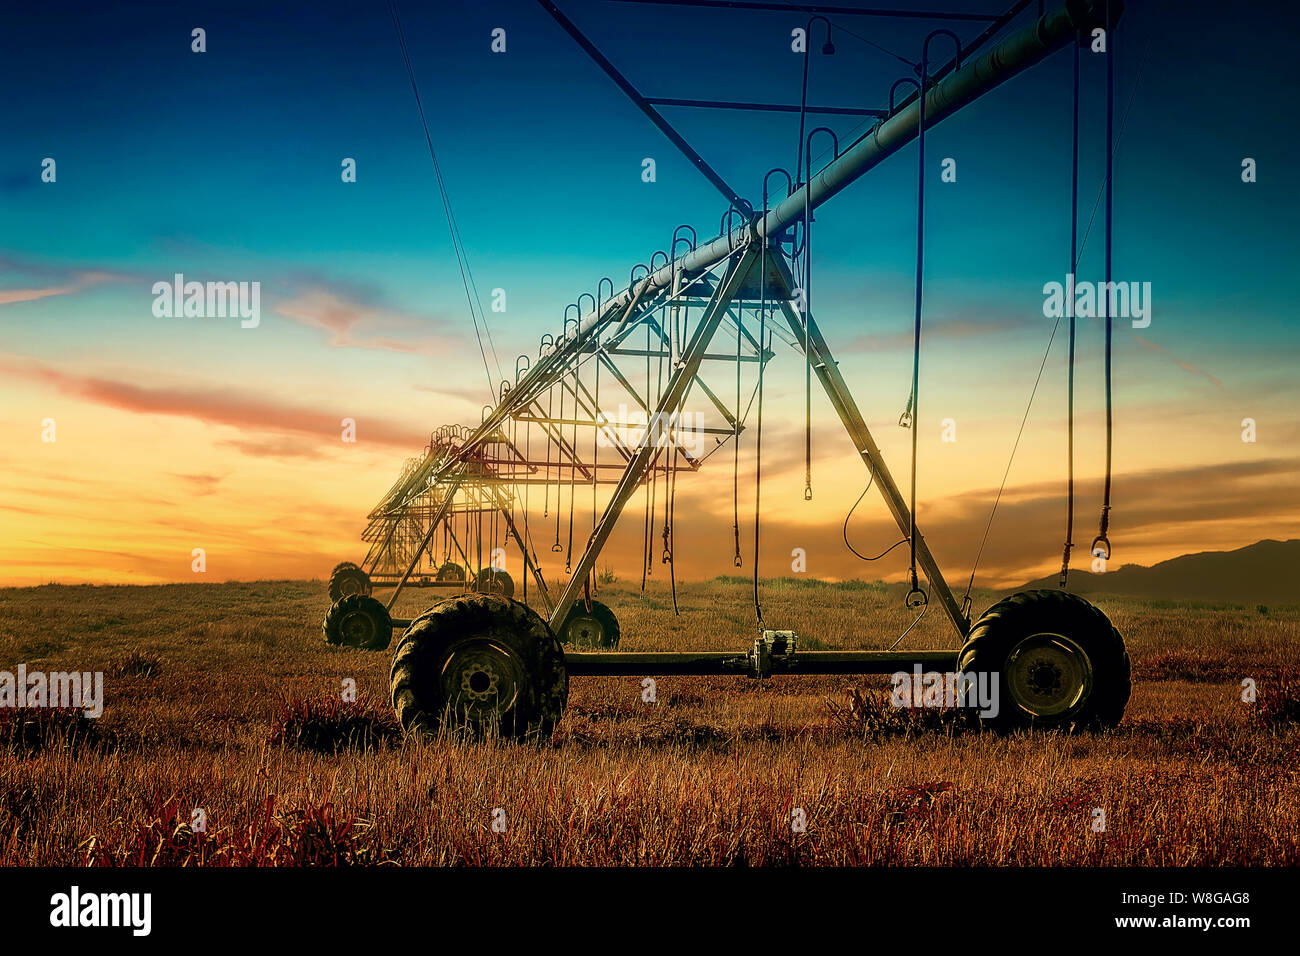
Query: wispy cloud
355, 319
200, 484
283, 446
238, 409
947, 329
1186, 366
79, 282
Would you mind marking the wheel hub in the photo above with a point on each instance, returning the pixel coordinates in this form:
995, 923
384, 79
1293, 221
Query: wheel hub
1049, 675
357, 628
479, 683
585, 629
482, 680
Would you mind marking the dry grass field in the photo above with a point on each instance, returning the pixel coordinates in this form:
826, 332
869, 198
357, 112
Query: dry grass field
224, 697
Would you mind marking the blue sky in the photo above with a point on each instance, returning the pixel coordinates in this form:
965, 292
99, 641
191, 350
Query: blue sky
226, 165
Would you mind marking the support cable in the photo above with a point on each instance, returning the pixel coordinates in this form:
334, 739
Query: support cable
1082, 246
471, 292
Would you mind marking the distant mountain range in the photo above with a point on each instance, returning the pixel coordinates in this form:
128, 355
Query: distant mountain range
1261, 573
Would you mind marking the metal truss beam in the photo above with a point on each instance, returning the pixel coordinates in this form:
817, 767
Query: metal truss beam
822, 9
766, 107
642, 104
668, 404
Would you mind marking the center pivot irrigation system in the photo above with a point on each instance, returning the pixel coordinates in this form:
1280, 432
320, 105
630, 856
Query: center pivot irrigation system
482, 659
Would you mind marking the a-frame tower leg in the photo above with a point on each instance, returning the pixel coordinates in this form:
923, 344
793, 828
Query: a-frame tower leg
837, 390
659, 421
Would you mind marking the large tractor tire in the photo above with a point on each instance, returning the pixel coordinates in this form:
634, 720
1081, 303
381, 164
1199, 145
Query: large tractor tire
595, 628
1056, 660
481, 663
359, 621
450, 572
348, 579
492, 581
343, 564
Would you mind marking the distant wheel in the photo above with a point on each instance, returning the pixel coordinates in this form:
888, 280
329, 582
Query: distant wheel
1056, 661
595, 628
346, 581
482, 663
450, 572
359, 621
343, 564
492, 581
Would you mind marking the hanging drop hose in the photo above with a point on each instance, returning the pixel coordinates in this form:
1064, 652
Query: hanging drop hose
514, 489
595, 450
1074, 265
1083, 243
737, 560
914, 402
807, 312
668, 529
678, 315
573, 469
758, 445
550, 415
807, 354
670, 471
1101, 544
762, 368
558, 425
528, 440
916, 597
559, 476
905, 419
845, 530
805, 306
649, 505
595, 443
670, 501
477, 529
653, 427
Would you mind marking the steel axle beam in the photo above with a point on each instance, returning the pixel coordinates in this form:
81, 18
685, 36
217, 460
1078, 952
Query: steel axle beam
667, 664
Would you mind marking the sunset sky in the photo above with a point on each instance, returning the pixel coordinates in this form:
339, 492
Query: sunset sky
180, 433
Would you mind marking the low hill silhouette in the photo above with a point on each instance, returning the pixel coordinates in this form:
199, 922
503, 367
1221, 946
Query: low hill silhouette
1261, 573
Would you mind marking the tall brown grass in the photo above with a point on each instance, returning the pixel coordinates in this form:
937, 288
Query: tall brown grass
240, 715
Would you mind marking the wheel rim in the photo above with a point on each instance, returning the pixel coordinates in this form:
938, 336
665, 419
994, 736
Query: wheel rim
481, 681
357, 628
349, 585
585, 629
1049, 675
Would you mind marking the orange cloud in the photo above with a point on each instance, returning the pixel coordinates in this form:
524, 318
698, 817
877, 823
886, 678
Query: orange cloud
213, 406
10, 296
